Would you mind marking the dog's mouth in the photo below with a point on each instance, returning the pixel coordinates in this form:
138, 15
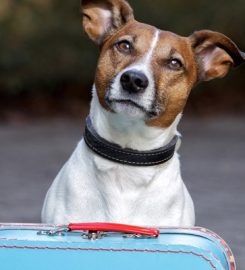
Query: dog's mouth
130, 105
135, 105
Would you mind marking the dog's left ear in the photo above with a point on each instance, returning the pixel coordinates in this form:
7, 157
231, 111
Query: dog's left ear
215, 54
104, 17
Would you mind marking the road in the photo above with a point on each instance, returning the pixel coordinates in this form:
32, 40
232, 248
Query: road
212, 159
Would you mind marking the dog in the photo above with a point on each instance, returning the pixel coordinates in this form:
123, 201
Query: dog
127, 169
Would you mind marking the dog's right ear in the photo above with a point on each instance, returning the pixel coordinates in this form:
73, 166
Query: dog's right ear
104, 17
215, 54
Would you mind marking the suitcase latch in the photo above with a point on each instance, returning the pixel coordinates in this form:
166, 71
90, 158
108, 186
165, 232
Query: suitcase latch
93, 235
55, 232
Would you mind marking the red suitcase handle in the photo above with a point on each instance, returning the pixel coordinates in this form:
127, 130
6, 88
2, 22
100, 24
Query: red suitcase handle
112, 227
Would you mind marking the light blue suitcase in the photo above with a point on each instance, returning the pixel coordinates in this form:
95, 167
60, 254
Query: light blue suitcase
111, 246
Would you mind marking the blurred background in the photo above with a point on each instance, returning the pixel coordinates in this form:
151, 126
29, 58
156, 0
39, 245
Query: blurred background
47, 64
47, 67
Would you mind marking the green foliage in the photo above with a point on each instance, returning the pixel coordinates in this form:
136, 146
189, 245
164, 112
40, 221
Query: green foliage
42, 45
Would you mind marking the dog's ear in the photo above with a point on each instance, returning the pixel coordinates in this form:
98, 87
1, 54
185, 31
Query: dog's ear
215, 54
103, 17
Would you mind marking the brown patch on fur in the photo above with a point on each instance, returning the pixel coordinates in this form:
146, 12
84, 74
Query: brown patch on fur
173, 87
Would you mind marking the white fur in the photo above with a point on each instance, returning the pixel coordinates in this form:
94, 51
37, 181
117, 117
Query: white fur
92, 189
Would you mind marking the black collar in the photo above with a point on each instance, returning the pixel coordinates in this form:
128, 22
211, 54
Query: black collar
126, 156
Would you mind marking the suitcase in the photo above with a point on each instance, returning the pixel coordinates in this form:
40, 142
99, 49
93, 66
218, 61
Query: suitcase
111, 246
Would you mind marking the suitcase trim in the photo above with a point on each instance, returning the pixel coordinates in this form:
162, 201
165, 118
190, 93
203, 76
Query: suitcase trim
113, 250
228, 252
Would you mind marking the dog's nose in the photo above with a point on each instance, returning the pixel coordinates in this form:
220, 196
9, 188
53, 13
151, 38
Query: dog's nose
134, 81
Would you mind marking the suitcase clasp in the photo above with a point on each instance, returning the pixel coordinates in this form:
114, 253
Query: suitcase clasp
55, 232
93, 235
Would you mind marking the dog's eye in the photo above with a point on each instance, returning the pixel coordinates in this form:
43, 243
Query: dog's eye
124, 46
175, 64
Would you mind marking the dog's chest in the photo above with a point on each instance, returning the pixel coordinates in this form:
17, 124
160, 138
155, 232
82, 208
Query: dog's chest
125, 191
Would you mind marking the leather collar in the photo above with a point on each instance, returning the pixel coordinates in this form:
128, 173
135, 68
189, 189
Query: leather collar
126, 156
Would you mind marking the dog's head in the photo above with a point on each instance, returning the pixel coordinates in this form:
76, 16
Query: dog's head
147, 73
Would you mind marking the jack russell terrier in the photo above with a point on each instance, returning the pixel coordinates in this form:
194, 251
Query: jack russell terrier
126, 168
